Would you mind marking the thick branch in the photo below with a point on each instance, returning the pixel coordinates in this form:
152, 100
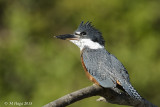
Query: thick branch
108, 95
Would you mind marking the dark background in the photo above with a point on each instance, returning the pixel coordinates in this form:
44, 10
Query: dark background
37, 68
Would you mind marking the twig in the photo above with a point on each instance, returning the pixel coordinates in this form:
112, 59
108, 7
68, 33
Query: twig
108, 95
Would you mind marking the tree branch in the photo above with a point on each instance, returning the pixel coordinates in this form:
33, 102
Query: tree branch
113, 96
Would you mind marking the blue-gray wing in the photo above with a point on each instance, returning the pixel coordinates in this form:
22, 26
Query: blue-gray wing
104, 67
98, 64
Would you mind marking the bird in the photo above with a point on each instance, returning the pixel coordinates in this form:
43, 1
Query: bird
100, 66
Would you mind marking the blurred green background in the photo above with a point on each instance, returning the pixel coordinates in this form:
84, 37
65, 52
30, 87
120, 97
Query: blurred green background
37, 68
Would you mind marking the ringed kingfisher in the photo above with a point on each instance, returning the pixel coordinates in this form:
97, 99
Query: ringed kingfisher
100, 66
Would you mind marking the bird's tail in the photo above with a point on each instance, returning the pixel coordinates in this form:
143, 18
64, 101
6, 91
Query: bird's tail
131, 91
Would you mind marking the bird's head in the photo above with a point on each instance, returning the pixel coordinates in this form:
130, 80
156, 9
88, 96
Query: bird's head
85, 36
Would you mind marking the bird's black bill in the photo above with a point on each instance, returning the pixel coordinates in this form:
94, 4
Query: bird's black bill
66, 37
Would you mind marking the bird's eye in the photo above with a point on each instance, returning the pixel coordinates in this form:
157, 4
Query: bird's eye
83, 33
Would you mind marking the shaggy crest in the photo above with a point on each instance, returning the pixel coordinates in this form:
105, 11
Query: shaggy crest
92, 32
